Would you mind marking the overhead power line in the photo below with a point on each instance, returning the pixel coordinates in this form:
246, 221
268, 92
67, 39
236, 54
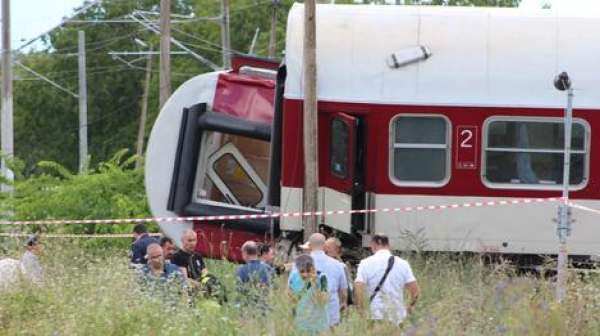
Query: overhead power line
46, 79
107, 21
143, 53
152, 27
77, 12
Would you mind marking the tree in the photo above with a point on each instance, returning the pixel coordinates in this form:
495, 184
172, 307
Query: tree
111, 190
46, 119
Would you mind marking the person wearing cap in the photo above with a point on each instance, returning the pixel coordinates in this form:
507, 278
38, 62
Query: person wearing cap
142, 240
333, 269
30, 265
305, 248
385, 292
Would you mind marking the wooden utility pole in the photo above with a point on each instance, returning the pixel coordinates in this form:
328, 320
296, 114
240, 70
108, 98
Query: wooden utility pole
142, 127
225, 44
165, 52
83, 124
310, 118
273, 37
7, 94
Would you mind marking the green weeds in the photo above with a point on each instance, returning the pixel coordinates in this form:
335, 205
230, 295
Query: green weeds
94, 293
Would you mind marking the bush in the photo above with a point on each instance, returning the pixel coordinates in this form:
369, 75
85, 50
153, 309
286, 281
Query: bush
114, 189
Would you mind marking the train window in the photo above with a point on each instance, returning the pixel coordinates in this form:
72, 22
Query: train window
237, 180
235, 171
339, 148
528, 153
420, 151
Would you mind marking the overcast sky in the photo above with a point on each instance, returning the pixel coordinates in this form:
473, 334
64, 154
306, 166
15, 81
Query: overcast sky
33, 17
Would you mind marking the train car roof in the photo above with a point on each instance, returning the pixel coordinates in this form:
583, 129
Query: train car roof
480, 56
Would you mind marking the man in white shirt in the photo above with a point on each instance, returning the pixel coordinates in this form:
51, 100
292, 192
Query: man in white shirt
387, 303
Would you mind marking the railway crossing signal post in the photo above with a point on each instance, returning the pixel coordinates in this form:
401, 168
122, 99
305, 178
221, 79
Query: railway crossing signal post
562, 82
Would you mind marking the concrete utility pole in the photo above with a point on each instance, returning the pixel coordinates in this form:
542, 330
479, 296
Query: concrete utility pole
83, 124
310, 118
273, 37
253, 44
226, 45
165, 52
7, 94
563, 229
142, 128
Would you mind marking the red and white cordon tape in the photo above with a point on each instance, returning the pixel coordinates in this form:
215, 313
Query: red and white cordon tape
285, 215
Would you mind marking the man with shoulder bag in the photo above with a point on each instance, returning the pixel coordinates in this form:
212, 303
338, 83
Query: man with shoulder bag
384, 277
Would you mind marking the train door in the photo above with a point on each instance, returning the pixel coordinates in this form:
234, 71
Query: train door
340, 168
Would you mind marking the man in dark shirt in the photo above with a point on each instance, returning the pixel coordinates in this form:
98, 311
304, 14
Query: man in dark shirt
142, 240
168, 248
266, 253
187, 259
254, 271
254, 279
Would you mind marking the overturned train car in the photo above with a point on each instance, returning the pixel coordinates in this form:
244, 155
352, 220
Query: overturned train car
418, 106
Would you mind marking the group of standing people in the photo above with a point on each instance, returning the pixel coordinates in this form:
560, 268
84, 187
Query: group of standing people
166, 272
319, 283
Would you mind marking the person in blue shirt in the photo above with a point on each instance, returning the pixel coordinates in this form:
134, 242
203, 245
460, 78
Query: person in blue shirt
310, 294
161, 280
254, 279
142, 240
333, 269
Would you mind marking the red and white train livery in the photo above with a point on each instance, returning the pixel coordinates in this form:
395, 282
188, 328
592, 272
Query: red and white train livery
417, 106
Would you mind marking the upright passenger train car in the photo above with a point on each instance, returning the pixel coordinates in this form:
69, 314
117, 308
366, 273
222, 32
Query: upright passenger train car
418, 106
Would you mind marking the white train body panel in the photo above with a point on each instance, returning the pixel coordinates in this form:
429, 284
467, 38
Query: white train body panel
490, 74
160, 155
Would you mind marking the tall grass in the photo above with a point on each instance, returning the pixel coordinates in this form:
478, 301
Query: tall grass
94, 293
